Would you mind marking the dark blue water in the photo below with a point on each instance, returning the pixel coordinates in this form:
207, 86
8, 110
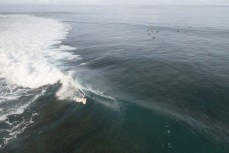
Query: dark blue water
157, 80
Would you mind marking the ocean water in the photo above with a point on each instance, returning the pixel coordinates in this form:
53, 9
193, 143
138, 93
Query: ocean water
155, 78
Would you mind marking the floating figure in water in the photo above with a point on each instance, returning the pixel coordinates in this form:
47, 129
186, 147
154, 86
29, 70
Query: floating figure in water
153, 37
178, 31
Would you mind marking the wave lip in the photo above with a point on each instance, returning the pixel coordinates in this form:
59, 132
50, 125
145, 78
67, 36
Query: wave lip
31, 54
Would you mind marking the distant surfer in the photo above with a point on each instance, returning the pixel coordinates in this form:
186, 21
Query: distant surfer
83, 98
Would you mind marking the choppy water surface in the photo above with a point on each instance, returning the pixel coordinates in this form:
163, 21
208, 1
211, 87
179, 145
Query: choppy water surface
155, 78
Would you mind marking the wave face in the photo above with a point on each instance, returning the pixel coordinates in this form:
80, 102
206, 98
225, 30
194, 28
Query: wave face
32, 57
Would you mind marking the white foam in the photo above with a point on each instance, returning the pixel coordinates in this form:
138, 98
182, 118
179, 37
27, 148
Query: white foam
16, 129
31, 54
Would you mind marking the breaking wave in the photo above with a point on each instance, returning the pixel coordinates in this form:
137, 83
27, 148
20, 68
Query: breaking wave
31, 54
32, 57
